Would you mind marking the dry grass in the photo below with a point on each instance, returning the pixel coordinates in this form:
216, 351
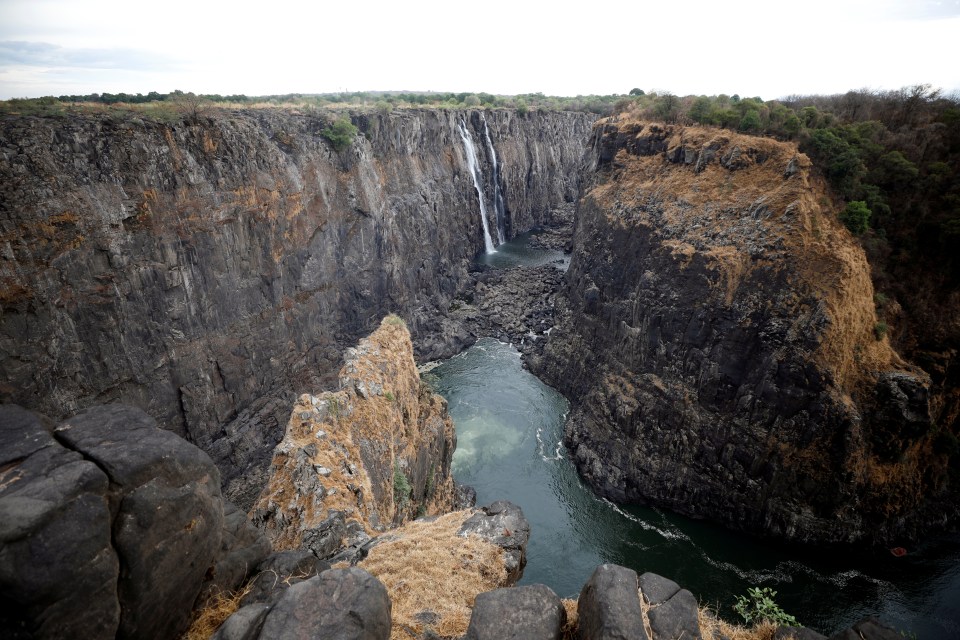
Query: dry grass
713, 628
429, 568
214, 613
569, 631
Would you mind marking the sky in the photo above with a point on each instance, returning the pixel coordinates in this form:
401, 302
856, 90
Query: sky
759, 48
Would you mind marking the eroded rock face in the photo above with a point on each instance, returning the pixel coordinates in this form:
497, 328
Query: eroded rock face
110, 525
719, 346
376, 453
207, 271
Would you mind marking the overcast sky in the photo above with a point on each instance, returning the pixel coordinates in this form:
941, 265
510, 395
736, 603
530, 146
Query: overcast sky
751, 47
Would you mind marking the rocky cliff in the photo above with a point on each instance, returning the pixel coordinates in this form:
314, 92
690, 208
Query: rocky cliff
359, 460
209, 269
722, 350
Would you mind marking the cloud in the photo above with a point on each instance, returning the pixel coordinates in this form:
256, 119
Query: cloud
17, 53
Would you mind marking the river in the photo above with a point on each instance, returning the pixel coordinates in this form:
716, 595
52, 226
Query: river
509, 429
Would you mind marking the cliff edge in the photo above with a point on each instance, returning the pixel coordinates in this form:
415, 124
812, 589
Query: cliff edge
722, 347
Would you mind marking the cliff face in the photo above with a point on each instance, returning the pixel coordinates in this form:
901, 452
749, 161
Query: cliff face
207, 270
375, 453
720, 346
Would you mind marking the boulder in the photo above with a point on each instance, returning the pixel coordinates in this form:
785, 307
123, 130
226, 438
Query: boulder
609, 605
868, 629
165, 494
339, 604
678, 617
109, 525
797, 633
657, 589
243, 624
242, 548
280, 571
503, 524
532, 612
58, 569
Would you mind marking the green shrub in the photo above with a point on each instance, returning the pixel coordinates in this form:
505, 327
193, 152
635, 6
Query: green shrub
856, 217
880, 330
340, 134
401, 488
750, 121
388, 395
758, 606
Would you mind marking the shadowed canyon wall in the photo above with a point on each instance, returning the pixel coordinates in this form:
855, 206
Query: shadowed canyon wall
721, 349
210, 270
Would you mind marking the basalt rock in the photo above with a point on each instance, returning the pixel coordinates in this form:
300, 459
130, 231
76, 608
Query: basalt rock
609, 605
718, 343
341, 604
503, 524
280, 571
532, 612
110, 525
208, 270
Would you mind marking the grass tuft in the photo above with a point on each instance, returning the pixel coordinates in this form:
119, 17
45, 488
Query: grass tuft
214, 613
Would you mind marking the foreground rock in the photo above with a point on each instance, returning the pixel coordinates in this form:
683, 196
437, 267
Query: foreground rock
363, 459
609, 605
720, 345
532, 612
615, 605
341, 604
110, 525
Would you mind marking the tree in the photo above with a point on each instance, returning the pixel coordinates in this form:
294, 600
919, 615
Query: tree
637, 92
750, 121
700, 110
792, 125
189, 104
667, 107
340, 134
856, 217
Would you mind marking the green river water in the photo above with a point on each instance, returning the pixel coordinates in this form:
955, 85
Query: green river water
509, 429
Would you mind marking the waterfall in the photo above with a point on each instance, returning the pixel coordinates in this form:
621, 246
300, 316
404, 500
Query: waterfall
498, 204
473, 165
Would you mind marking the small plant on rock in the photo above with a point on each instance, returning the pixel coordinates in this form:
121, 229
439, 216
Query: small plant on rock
880, 330
340, 134
759, 606
401, 488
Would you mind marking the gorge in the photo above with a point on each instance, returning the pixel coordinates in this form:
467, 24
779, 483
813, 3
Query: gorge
714, 333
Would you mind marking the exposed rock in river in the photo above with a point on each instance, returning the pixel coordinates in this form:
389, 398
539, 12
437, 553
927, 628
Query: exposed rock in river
720, 347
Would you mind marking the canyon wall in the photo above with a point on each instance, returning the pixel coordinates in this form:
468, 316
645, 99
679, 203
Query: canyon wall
721, 348
209, 270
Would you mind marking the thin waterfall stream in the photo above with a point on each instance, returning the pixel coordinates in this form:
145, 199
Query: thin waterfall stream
510, 430
474, 168
498, 203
